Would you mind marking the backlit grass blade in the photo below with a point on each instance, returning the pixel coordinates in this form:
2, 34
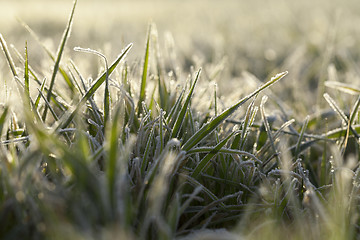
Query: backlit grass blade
203, 163
22, 60
180, 118
267, 127
354, 111
26, 73
58, 58
209, 127
107, 93
8, 56
3, 119
50, 54
37, 101
337, 109
94, 88
340, 132
95, 109
112, 156
145, 72
171, 118
347, 88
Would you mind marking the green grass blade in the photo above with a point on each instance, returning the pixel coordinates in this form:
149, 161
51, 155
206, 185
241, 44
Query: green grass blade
171, 118
145, 72
26, 73
3, 119
340, 132
337, 109
203, 163
347, 88
93, 88
145, 160
50, 108
354, 111
267, 128
181, 116
8, 56
107, 92
58, 58
209, 127
297, 149
50, 54
37, 101
22, 60
112, 168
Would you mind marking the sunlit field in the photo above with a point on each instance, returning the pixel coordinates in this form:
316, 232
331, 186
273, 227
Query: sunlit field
178, 119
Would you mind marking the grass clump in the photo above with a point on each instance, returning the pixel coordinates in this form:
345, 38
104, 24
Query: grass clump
152, 160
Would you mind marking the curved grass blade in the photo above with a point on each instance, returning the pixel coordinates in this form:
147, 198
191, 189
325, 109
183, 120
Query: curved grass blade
203, 163
58, 58
93, 88
223, 150
353, 115
145, 72
107, 93
337, 109
180, 118
346, 88
209, 127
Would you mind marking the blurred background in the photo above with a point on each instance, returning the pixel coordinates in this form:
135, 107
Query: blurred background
260, 36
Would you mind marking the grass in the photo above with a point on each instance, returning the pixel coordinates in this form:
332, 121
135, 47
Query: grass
151, 151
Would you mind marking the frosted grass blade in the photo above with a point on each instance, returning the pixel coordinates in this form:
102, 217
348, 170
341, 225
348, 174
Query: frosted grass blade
346, 88
8, 56
58, 58
337, 109
145, 72
180, 118
93, 88
202, 164
3, 119
209, 127
301, 137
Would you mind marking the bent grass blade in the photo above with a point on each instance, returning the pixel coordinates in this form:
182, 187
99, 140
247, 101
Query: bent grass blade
93, 88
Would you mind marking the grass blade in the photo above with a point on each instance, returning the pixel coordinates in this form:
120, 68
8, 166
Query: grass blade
93, 88
181, 116
209, 127
202, 164
145, 72
8, 56
26, 73
337, 109
268, 129
298, 144
3, 119
346, 88
58, 58
107, 93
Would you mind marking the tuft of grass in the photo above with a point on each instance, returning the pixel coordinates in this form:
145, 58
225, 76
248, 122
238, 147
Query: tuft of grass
179, 163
